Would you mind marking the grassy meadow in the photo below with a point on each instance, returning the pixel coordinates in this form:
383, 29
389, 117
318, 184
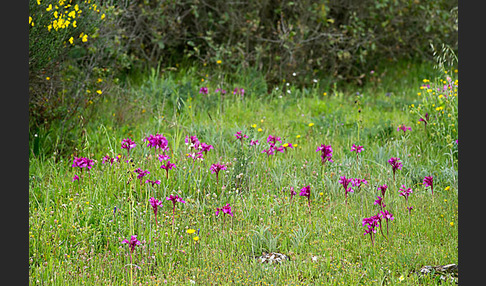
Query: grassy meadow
80, 214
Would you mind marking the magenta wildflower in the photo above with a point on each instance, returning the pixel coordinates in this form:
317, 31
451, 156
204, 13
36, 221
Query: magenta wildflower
157, 141
357, 149
380, 202
223, 91
284, 147
429, 182
192, 142
371, 223
393, 161
239, 91
75, 178
215, 168
107, 159
163, 157
205, 147
155, 204
254, 142
168, 166
345, 182
226, 210
356, 182
387, 216
403, 128
410, 208
81, 162
425, 119
305, 192
157, 182
196, 156
269, 152
240, 137
405, 192
174, 200
272, 140
141, 173
132, 243
326, 153
383, 188
292, 193
128, 144
204, 90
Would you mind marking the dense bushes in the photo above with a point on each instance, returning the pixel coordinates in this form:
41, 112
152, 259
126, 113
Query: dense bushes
340, 39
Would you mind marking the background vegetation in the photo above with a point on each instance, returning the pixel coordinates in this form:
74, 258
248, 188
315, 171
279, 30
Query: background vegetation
90, 48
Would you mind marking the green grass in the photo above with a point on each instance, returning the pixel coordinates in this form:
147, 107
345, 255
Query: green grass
75, 237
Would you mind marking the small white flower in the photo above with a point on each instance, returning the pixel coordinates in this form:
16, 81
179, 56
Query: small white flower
276, 88
294, 74
314, 80
288, 84
192, 281
288, 91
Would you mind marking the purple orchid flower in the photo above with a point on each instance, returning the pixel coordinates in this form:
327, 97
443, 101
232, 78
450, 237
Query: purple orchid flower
204, 90
168, 166
128, 144
132, 243
383, 188
174, 200
215, 168
403, 128
155, 204
429, 182
396, 165
345, 182
326, 153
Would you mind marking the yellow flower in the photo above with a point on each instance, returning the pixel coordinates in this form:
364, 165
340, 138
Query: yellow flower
298, 136
38, 2
253, 125
99, 80
285, 145
99, 91
190, 231
103, 16
452, 224
202, 80
85, 38
419, 94
311, 124
71, 40
72, 14
325, 93
401, 278
49, 8
196, 238
76, 7
218, 62
295, 145
321, 194
447, 188
48, 78
259, 130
